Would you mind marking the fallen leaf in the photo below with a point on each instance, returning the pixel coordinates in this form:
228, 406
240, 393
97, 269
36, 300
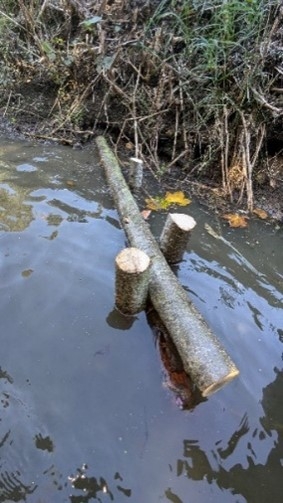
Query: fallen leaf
170, 198
236, 220
177, 198
70, 183
26, 273
155, 203
145, 214
260, 213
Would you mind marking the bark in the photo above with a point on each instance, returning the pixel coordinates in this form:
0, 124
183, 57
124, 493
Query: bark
204, 358
136, 174
132, 279
175, 236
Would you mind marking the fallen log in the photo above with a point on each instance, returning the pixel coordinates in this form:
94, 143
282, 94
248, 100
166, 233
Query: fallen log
203, 357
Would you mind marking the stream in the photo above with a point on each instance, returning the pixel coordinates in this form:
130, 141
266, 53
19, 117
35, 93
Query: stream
85, 412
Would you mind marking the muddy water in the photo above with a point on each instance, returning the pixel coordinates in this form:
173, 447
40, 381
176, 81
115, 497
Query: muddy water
84, 415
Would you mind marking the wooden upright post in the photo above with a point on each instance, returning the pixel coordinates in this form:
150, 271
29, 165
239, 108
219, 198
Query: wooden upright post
175, 236
136, 173
132, 277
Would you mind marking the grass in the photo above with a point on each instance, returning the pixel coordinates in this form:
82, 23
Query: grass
189, 83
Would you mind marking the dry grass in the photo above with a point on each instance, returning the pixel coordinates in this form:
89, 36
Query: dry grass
192, 84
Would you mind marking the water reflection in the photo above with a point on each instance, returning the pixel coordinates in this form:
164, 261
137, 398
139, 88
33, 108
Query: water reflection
20, 197
13, 489
14, 213
44, 443
251, 477
120, 321
92, 487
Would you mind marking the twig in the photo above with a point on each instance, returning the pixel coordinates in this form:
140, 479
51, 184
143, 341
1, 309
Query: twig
177, 158
175, 133
247, 165
135, 114
7, 104
261, 99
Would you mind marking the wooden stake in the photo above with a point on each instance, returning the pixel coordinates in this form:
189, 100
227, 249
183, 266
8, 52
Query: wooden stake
175, 236
132, 277
136, 173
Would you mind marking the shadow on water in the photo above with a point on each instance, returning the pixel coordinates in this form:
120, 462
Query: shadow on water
86, 409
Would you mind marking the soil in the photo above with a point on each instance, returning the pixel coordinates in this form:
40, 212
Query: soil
120, 69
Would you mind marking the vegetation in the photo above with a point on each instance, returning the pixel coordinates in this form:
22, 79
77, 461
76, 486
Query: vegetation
195, 84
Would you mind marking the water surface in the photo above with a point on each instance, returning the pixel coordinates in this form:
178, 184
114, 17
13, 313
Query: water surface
85, 414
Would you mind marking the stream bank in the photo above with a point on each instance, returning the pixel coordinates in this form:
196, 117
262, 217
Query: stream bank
209, 195
192, 88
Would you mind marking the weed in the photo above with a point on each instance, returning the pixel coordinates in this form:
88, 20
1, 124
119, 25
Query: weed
191, 83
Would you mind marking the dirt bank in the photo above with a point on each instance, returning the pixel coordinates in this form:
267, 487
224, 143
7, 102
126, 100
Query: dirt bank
193, 89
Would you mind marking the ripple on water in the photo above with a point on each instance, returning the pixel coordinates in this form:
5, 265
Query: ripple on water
94, 409
27, 168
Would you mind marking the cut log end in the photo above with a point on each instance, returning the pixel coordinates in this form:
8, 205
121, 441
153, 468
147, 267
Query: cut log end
216, 386
183, 221
132, 261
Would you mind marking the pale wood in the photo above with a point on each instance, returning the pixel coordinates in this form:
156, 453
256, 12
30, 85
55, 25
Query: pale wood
136, 173
131, 282
175, 236
203, 357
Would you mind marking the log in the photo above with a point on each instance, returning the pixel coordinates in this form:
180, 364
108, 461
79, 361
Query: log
203, 357
175, 236
131, 281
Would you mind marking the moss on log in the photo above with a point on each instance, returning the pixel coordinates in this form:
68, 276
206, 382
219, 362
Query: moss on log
203, 357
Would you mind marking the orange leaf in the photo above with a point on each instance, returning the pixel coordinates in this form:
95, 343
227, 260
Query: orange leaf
236, 220
260, 213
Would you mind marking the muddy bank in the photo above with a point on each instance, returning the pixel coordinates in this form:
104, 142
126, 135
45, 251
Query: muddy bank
193, 89
206, 192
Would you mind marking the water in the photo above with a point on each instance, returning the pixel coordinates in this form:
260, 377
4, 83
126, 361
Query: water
84, 413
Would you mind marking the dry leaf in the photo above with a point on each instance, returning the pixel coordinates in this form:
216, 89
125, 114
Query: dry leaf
154, 203
177, 198
260, 213
170, 198
71, 183
236, 220
145, 214
129, 145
